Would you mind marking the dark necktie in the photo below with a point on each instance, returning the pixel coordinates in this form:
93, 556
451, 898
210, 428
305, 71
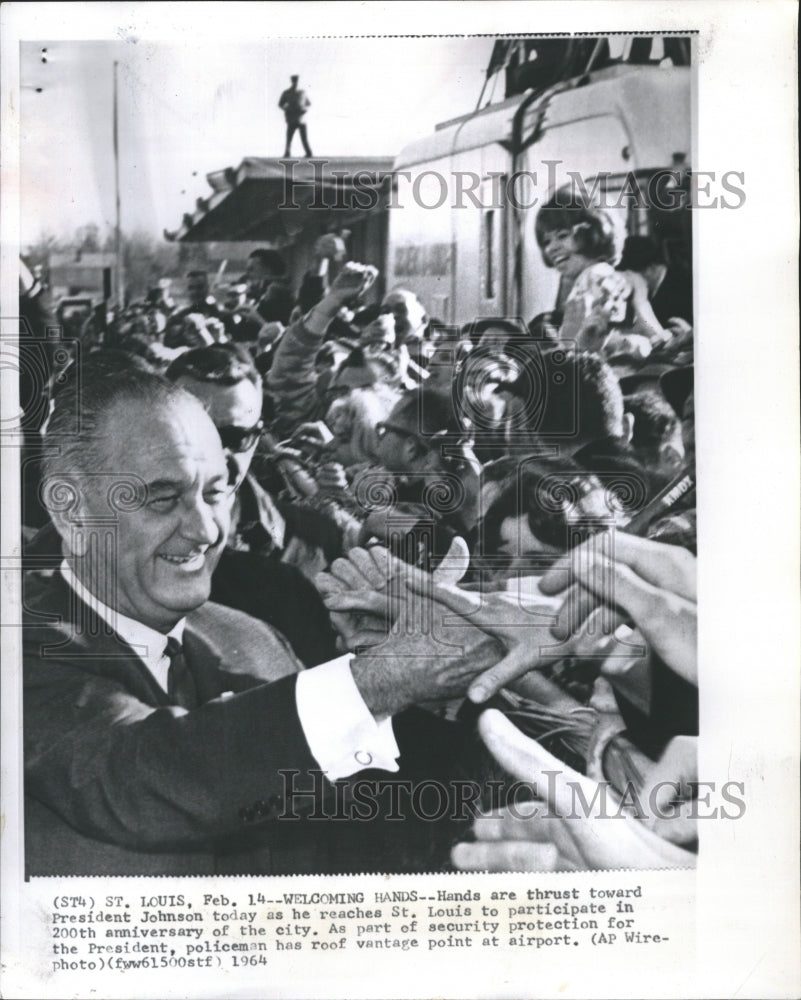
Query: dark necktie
180, 684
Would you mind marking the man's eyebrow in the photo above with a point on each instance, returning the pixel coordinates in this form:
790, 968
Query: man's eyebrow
179, 485
162, 485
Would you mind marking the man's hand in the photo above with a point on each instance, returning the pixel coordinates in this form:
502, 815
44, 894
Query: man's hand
418, 653
359, 596
502, 615
654, 583
555, 832
329, 247
668, 785
350, 284
424, 658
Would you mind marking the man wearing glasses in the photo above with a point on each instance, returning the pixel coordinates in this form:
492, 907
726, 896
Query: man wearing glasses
251, 575
430, 471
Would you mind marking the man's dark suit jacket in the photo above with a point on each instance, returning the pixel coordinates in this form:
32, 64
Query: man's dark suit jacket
118, 781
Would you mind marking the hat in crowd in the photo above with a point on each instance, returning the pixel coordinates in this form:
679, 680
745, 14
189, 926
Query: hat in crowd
676, 386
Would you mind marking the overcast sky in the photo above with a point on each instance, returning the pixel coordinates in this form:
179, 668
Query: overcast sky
185, 110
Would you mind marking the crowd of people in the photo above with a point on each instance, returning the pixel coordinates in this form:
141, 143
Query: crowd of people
382, 546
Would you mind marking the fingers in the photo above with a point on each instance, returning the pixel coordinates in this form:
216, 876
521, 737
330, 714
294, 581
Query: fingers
365, 569
602, 633
506, 856
328, 584
670, 567
345, 571
512, 666
667, 566
681, 826
369, 567
557, 578
517, 823
520, 756
455, 563
668, 622
459, 601
358, 600
577, 606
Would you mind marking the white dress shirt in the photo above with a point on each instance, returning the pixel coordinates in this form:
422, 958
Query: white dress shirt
342, 734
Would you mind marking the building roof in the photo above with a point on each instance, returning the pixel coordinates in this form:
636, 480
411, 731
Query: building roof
271, 200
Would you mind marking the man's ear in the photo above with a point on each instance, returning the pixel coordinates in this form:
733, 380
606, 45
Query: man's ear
67, 507
628, 426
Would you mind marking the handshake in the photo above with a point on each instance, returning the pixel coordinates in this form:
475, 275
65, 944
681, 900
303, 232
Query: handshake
421, 638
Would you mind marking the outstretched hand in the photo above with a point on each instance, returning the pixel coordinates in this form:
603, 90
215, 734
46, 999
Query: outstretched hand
654, 583
361, 598
350, 284
502, 615
575, 823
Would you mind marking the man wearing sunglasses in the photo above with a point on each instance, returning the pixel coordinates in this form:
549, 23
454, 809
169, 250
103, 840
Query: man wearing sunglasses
251, 576
429, 467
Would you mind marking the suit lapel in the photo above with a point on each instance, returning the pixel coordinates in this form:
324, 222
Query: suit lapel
79, 633
203, 661
87, 637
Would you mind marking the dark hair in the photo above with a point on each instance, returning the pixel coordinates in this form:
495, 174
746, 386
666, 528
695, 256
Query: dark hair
429, 413
224, 364
580, 397
270, 260
655, 421
382, 366
591, 227
197, 274
639, 252
278, 304
545, 325
540, 490
83, 404
477, 327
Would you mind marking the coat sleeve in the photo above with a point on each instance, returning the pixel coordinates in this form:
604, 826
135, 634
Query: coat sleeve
292, 380
119, 770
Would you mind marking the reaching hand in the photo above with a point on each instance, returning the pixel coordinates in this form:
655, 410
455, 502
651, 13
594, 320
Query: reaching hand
359, 596
502, 615
329, 247
574, 824
668, 786
418, 654
350, 284
653, 582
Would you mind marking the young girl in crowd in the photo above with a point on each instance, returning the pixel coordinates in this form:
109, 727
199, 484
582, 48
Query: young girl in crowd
596, 306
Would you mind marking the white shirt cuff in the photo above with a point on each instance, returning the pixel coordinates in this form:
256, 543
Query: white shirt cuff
341, 732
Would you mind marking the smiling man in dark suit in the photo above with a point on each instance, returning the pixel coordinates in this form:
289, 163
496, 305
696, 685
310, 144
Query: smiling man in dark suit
157, 723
